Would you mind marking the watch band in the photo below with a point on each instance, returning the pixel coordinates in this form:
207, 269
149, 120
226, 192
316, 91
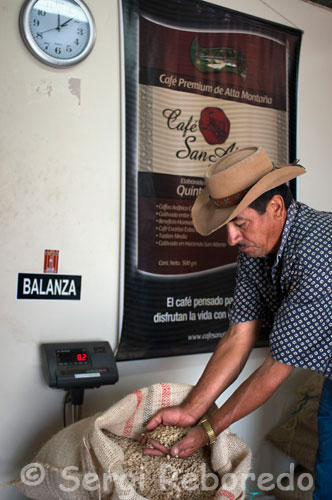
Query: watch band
209, 431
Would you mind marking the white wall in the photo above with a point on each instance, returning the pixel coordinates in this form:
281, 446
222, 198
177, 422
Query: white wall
60, 189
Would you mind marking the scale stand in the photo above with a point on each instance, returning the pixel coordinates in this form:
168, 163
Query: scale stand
76, 397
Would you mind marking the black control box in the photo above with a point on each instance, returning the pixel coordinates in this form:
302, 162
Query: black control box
69, 365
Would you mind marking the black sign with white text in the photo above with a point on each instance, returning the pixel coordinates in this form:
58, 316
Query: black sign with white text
48, 286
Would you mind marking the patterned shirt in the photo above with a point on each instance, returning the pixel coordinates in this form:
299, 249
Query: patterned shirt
294, 296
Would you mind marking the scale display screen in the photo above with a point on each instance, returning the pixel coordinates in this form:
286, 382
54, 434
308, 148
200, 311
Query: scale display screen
72, 357
79, 365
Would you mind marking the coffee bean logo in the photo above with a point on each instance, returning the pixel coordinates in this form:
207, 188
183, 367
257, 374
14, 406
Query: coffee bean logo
214, 125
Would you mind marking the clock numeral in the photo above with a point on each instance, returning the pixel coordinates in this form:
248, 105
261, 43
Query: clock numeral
80, 31
69, 49
39, 36
35, 22
57, 50
41, 13
77, 41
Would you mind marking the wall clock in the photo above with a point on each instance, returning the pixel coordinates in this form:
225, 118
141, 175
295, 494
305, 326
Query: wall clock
58, 32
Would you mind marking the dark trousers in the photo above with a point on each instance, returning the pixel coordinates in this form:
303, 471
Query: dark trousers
323, 467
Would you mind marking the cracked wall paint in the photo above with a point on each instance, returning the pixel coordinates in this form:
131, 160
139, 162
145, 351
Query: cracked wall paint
43, 87
74, 85
49, 88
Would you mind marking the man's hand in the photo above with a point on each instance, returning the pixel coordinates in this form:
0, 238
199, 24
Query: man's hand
193, 440
175, 415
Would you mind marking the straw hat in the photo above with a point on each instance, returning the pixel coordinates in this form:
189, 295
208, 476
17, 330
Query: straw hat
235, 181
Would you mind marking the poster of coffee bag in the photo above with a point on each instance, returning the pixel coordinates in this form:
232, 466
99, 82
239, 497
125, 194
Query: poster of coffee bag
200, 81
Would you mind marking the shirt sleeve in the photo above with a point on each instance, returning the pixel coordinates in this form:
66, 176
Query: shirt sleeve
302, 335
247, 301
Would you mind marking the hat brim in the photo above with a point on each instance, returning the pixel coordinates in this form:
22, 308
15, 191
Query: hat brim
207, 218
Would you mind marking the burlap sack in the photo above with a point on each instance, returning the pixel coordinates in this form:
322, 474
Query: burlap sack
82, 463
297, 436
298, 489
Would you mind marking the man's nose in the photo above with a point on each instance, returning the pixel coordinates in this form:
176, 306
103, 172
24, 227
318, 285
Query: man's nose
233, 234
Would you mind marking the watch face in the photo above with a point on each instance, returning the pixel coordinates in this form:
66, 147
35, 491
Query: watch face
58, 32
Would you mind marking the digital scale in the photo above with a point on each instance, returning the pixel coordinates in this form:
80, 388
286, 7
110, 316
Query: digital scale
76, 366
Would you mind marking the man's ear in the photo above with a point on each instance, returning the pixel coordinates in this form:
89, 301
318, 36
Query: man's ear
276, 207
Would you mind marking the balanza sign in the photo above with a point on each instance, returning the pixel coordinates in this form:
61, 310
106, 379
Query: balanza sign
46, 286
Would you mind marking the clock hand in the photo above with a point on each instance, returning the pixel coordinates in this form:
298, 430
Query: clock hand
66, 22
40, 33
58, 22
56, 28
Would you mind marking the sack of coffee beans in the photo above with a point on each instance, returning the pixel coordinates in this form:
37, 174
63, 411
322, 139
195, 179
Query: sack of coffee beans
100, 458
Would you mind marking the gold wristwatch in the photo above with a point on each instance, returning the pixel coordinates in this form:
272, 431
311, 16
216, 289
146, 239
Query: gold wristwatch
209, 431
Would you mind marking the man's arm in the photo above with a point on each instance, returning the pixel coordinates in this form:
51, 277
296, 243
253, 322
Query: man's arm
254, 391
223, 368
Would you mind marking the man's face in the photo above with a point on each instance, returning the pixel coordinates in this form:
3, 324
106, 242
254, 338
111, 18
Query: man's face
256, 235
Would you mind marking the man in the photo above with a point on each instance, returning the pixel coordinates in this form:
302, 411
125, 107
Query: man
284, 281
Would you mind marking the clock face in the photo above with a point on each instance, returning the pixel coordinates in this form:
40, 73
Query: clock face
58, 32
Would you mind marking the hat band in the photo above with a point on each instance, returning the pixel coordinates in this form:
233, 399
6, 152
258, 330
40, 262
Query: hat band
229, 201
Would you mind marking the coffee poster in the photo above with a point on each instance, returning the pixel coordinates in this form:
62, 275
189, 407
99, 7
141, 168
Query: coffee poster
200, 81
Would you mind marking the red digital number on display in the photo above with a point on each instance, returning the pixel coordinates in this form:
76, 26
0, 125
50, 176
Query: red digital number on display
81, 357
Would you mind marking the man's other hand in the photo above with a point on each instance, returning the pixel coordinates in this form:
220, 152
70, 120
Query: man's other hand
175, 415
